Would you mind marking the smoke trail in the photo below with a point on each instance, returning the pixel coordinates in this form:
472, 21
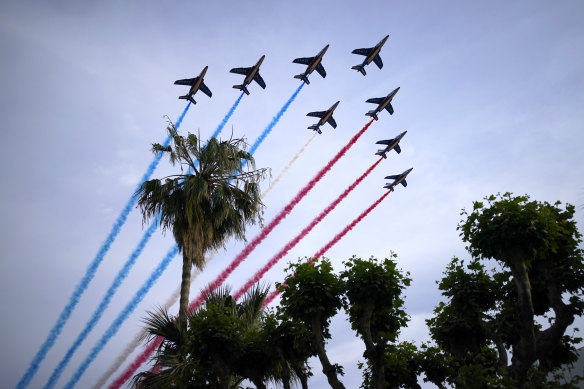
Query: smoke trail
128, 309
123, 273
338, 237
260, 273
287, 167
283, 213
121, 276
226, 118
90, 272
249, 248
348, 228
275, 120
137, 340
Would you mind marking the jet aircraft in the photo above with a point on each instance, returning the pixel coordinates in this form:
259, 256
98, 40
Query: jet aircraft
314, 63
384, 103
371, 54
195, 84
390, 144
325, 117
398, 179
251, 74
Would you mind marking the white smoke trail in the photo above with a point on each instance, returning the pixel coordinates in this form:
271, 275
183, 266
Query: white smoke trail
287, 167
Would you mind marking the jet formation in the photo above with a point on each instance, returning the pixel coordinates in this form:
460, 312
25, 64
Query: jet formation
195, 84
314, 63
390, 144
325, 117
251, 74
383, 103
371, 54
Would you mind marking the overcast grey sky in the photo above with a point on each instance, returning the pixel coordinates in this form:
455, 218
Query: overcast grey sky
491, 95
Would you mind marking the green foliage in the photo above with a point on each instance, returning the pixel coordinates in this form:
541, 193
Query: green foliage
492, 313
375, 286
312, 290
215, 199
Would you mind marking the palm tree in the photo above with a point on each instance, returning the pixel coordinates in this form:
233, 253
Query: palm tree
214, 200
179, 365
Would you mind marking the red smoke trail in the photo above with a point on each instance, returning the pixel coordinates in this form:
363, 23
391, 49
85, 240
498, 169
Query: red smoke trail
143, 357
338, 237
259, 274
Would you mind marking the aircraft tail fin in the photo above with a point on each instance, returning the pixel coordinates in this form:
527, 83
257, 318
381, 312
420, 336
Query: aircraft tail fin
315, 128
360, 68
303, 78
372, 114
242, 88
382, 153
189, 98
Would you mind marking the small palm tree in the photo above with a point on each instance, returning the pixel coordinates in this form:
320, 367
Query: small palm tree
215, 199
179, 367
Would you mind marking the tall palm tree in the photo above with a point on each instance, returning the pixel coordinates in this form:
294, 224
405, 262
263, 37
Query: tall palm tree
215, 199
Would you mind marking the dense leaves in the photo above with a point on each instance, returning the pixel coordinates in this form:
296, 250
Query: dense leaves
508, 308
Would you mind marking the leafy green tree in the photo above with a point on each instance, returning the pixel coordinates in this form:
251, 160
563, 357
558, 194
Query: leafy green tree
215, 199
209, 353
537, 276
375, 307
312, 296
291, 346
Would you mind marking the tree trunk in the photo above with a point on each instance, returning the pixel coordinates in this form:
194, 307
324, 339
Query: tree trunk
302, 375
285, 369
329, 370
373, 352
524, 350
185, 288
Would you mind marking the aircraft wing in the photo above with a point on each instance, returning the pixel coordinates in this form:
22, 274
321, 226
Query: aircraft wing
362, 51
186, 81
205, 90
320, 70
378, 61
260, 80
404, 183
317, 114
389, 109
332, 122
384, 142
243, 71
394, 177
397, 149
303, 61
375, 100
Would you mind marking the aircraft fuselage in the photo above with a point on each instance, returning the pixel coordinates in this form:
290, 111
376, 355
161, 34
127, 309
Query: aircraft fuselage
198, 81
387, 100
328, 114
375, 51
316, 61
253, 71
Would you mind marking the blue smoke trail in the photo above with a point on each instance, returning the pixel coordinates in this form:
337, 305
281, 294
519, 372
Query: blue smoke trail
128, 309
102, 306
122, 275
226, 118
275, 120
90, 272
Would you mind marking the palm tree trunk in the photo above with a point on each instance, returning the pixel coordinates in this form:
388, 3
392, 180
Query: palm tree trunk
185, 288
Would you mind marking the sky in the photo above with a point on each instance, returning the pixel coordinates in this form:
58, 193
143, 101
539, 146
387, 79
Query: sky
492, 97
